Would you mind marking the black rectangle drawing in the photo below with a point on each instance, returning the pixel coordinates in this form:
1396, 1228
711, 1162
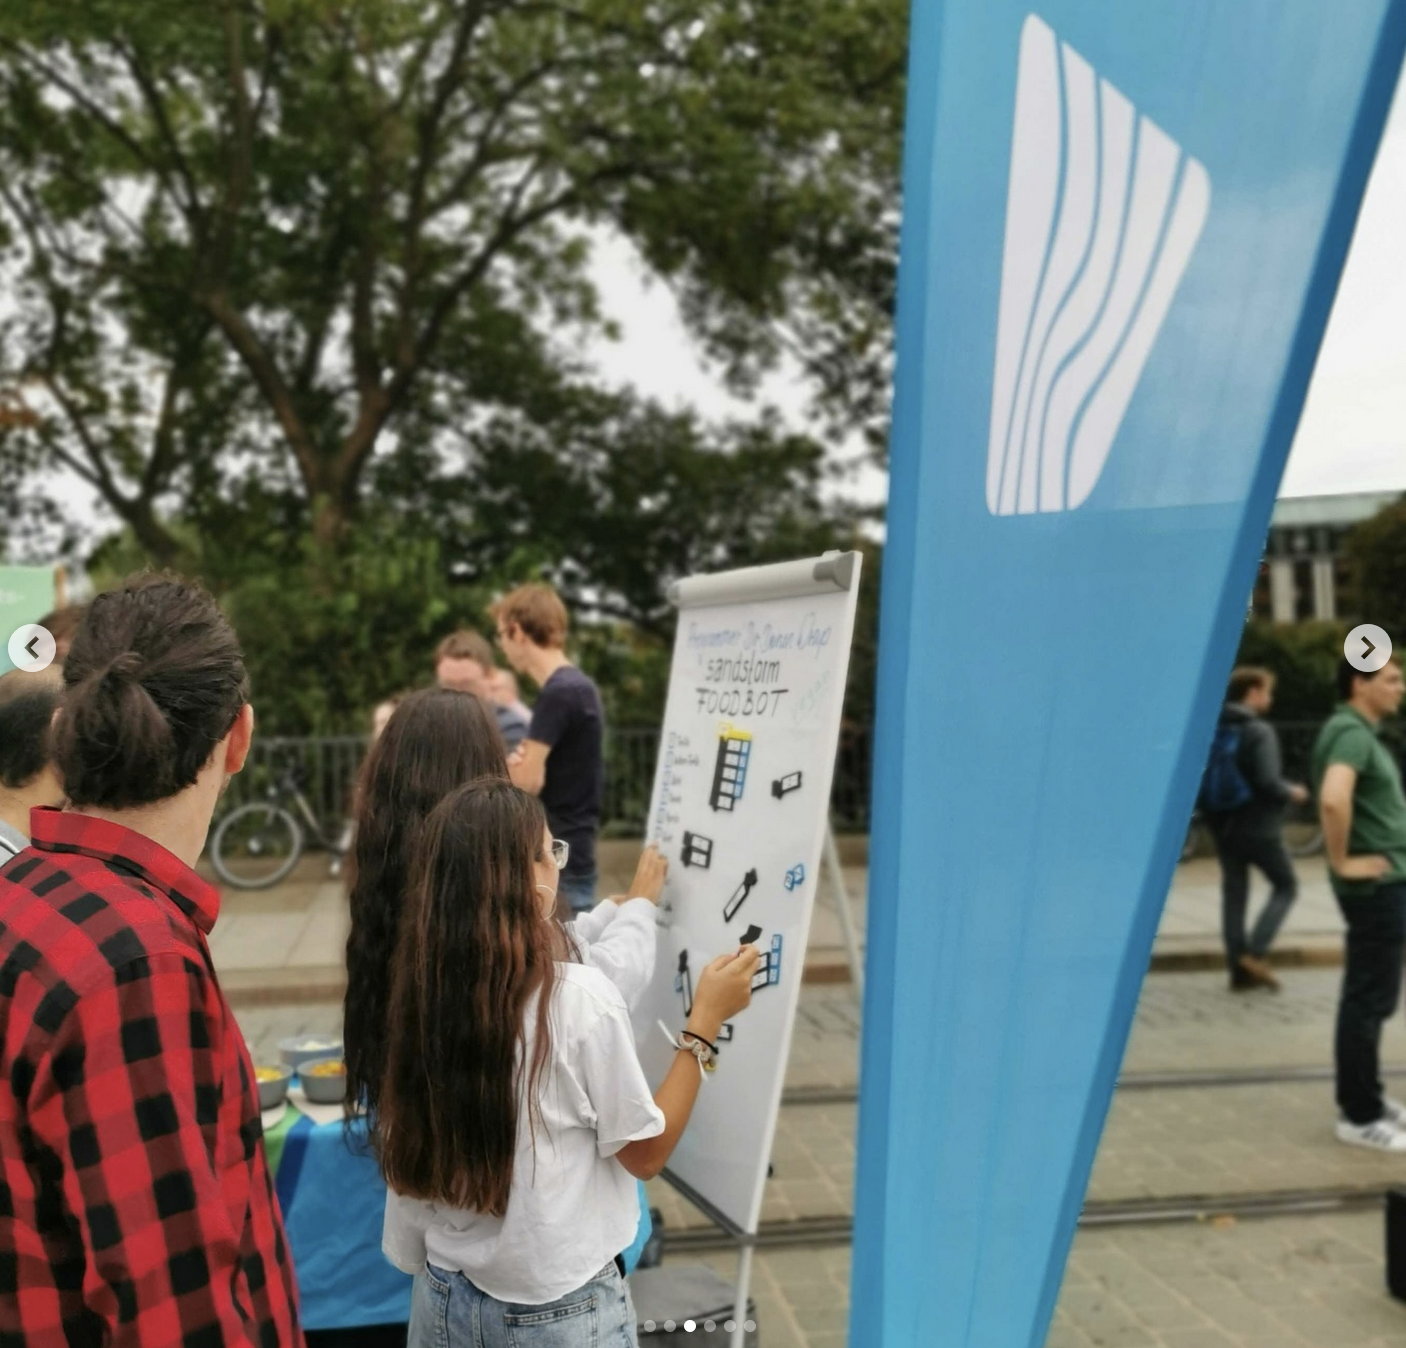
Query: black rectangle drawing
683, 984
783, 786
697, 850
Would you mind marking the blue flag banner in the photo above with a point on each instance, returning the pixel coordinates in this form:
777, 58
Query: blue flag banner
1124, 224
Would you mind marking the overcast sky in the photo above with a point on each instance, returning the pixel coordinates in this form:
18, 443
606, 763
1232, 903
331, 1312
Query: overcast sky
1353, 433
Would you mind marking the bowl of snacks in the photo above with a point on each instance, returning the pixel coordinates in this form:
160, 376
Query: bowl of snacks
324, 1081
273, 1085
303, 1048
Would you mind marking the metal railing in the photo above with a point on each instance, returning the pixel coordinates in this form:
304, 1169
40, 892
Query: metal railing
327, 768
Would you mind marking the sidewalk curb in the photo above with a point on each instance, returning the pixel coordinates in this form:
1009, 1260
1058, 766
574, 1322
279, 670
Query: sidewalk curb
301, 986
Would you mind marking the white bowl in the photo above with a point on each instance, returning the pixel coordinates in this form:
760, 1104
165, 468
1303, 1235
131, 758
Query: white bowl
303, 1048
328, 1090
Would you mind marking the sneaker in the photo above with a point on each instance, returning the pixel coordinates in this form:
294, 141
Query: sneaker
1382, 1135
1393, 1111
1260, 971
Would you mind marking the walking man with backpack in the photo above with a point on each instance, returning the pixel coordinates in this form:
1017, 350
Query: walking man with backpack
1243, 798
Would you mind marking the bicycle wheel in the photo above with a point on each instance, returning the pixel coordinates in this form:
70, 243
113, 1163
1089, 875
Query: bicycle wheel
1308, 843
1303, 834
256, 845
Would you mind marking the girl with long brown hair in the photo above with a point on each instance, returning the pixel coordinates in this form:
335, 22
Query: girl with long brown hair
514, 1112
436, 740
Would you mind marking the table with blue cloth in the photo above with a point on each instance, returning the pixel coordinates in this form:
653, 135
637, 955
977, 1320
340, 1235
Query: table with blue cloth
334, 1202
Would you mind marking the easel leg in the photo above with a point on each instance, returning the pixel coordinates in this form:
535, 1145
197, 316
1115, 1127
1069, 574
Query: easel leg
744, 1292
842, 909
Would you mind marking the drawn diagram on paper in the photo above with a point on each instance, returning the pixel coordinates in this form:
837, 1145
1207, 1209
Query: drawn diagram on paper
768, 975
730, 774
784, 786
739, 895
697, 850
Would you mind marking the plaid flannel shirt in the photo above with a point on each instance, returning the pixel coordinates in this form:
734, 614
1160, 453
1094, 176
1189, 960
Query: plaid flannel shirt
136, 1206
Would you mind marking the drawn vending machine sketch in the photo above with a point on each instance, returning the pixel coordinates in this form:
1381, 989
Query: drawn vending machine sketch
739, 895
730, 774
697, 850
784, 786
768, 975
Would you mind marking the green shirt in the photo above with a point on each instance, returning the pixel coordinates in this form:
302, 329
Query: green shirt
1378, 806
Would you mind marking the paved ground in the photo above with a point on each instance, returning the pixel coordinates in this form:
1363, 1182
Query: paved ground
1301, 1282
1292, 1281
289, 941
1314, 1280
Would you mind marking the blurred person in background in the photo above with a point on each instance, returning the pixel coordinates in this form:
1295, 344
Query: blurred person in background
382, 713
506, 692
1245, 779
63, 624
464, 662
138, 1206
1363, 811
560, 760
27, 777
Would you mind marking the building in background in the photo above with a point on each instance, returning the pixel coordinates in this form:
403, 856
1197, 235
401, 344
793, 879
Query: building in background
1303, 576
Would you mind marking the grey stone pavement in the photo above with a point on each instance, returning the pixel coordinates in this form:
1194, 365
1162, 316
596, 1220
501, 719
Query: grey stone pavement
291, 939
1290, 1281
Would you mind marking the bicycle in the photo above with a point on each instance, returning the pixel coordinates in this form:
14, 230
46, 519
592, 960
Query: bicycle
258, 844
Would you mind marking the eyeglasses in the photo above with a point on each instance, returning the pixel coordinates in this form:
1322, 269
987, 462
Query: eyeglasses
560, 852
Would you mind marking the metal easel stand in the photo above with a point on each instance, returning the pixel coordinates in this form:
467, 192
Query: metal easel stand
745, 1242
842, 911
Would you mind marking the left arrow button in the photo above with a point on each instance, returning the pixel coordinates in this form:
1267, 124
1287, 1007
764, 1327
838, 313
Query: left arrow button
32, 648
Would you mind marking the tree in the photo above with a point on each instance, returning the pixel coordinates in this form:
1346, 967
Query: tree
255, 242
1375, 551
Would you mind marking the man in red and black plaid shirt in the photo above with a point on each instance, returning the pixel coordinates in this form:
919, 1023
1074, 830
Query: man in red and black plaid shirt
136, 1206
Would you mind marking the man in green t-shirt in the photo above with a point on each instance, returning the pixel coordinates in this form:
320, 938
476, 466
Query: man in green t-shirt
1360, 800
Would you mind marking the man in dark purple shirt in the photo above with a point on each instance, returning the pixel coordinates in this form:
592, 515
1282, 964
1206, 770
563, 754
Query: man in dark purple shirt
560, 760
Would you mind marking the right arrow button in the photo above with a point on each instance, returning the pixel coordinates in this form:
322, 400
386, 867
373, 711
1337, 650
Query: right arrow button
1367, 648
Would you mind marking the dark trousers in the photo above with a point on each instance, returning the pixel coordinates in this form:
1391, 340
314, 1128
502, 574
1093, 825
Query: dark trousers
1376, 947
1267, 853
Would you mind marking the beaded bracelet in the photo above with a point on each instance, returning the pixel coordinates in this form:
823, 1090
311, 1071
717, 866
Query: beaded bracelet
703, 1053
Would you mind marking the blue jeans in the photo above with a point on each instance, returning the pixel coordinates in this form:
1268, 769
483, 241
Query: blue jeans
578, 892
448, 1311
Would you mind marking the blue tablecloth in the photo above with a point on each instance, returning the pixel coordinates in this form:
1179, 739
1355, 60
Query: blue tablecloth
334, 1203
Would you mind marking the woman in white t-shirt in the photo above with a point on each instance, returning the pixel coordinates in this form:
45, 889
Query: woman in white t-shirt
514, 1114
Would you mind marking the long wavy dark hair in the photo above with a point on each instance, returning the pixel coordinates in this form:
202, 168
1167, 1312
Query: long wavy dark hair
437, 740
475, 953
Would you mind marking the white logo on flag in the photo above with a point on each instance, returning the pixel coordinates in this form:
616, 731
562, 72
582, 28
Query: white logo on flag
1102, 214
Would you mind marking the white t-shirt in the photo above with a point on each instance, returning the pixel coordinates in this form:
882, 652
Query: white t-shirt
576, 1207
621, 940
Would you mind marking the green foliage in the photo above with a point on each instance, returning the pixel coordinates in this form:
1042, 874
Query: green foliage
1304, 657
299, 288
611, 502
251, 242
1376, 553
